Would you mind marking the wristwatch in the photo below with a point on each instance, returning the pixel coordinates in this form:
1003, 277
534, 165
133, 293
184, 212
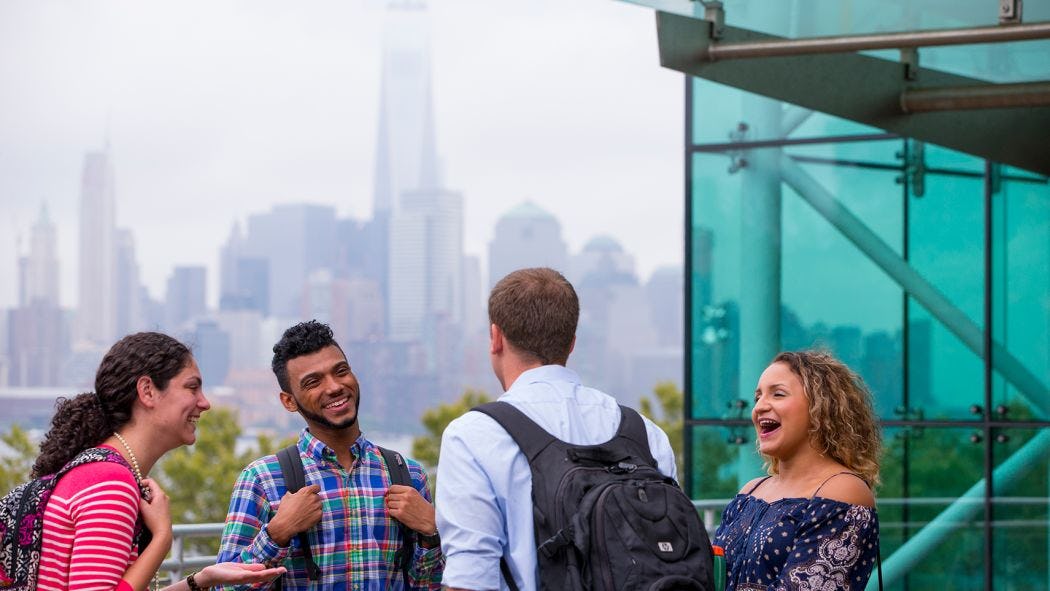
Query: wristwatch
192, 583
429, 540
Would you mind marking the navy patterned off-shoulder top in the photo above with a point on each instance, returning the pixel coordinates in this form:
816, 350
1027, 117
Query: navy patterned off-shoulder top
797, 544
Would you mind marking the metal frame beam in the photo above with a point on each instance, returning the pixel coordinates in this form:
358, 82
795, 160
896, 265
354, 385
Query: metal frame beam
848, 43
863, 89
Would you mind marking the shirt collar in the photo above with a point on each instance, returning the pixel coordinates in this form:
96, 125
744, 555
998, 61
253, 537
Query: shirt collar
546, 373
318, 450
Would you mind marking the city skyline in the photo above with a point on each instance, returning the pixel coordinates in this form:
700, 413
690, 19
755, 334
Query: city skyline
327, 157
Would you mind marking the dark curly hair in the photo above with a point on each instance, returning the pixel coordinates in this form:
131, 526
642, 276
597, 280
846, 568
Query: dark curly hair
302, 339
87, 419
537, 309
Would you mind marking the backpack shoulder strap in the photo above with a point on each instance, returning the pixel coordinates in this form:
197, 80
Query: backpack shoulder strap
292, 468
396, 466
530, 437
294, 474
632, 428
398, 470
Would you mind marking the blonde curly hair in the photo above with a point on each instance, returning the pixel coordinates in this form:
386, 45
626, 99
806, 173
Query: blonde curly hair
842, 421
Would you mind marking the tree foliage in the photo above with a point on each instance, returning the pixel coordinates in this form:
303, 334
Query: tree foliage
199, 479
426, 448
16, 463
670, 400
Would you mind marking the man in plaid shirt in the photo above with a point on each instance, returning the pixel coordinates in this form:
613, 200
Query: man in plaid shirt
348, 505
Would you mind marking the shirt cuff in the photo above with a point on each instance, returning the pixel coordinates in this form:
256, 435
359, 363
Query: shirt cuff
426, 560
267, 549
124, 586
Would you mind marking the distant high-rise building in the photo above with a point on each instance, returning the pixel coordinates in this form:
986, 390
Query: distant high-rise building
40, 267
229, 253
406, 149
130, 307
526, 236
424, 220
475, 314
211, 349
37, 335
184, 299
602, 261
96, 309
426, 264
664, 292
293, 240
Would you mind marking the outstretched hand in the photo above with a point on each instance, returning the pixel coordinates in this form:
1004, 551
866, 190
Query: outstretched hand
236, 573
406, 505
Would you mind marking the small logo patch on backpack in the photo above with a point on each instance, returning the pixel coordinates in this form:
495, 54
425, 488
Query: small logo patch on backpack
665, 546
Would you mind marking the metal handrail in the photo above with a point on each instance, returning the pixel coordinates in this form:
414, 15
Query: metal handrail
178, 564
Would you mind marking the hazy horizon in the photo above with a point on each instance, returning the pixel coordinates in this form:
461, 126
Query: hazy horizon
215, 112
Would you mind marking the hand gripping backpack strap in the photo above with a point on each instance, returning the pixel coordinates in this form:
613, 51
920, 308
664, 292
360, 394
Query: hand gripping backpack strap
398, 469
294, 479
531, 440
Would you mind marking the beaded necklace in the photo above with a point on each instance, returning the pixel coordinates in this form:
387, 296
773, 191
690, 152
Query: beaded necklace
146, 494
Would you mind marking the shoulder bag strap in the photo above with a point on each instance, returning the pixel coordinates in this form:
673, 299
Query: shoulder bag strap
398, 470
530, 437
632, 428
291, 463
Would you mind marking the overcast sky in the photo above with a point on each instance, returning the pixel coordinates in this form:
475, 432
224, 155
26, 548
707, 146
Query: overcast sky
218, 109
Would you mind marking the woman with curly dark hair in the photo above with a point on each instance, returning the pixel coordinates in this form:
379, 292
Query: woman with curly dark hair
811, 523
106, 524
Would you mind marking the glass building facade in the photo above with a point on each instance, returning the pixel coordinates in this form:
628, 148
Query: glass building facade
925, 269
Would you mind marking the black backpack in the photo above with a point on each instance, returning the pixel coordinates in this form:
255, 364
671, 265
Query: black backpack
295, 478
22, 521
605, 517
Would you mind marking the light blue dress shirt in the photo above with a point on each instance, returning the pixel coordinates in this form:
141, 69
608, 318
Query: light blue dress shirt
484, 497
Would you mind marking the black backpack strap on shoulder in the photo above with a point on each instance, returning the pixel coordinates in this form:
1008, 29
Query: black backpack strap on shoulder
504, 568
530, 437
294, 479
632, 427
398, 470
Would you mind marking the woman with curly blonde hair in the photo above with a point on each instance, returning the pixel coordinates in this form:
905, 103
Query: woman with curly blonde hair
811, 523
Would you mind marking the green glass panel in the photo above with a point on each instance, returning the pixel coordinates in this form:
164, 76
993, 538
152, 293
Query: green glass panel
946, 247
925, 471
716, 249
833, 295
1019, 513
724, 459
1021, 288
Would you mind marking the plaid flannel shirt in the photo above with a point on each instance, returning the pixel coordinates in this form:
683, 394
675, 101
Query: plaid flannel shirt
355, 542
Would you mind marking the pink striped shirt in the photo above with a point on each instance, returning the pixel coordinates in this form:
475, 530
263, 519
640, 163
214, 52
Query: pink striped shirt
89, 523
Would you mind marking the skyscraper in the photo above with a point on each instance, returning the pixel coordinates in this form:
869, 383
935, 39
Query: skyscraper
406, 152
293, 240
426, 264
526, 236
40, 268
185, 296
425, 220
130, 307
96, 309
37, 337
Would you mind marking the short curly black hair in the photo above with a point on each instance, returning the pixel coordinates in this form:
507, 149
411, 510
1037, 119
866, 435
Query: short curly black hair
302, 339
